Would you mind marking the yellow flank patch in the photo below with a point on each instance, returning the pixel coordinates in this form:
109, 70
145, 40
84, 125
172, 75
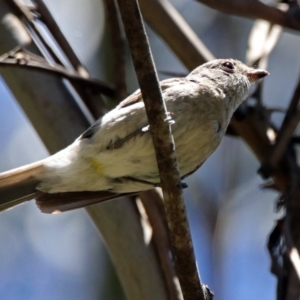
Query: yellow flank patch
97, 165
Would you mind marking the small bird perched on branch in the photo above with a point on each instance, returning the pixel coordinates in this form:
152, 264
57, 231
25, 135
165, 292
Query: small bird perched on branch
115, 157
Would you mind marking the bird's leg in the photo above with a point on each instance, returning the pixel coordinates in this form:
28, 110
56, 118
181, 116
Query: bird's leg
118, 144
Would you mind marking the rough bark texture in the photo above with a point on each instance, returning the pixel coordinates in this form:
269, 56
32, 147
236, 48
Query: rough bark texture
185, 262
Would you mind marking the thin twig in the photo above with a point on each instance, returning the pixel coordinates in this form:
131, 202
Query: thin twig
183, 252
27, 15
92, 101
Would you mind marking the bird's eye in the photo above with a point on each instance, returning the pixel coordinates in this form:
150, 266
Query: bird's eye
228, 66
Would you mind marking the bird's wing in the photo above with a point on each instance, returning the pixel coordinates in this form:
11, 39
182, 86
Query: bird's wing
131, 100
137, 96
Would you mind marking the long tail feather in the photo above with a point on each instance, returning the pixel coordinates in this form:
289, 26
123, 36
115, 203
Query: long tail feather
18, 185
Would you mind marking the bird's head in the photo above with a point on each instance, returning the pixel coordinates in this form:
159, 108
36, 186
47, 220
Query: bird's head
231, 76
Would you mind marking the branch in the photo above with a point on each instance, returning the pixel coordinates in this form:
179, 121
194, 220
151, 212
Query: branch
93, 102
256, 9
29, 16
165, 151
25, 14
24, 59
176, 32
49, 21
291, 228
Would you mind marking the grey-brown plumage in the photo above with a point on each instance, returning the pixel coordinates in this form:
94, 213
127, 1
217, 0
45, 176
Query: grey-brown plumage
116, 157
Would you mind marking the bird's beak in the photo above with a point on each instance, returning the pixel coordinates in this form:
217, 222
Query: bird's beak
255, 74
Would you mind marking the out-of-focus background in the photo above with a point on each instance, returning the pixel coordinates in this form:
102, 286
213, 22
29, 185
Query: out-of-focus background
63, 257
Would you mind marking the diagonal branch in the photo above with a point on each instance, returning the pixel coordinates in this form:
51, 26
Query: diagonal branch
25, 14
165, 151
24, 59
29, 16
49, 21
176, 32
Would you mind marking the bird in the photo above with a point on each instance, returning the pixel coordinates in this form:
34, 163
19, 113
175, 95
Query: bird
115, 157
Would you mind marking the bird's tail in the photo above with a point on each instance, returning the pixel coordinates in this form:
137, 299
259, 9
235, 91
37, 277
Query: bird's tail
18, 185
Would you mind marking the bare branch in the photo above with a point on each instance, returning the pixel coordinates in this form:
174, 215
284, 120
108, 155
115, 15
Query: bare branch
29, 17
165, 151
26, 15
93, 102
24, 59
49, 21
256, 9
